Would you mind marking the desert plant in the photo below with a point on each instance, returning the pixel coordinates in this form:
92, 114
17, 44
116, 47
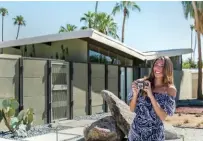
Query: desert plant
198, 115
17, 123
198, 125
186, 121
178, 124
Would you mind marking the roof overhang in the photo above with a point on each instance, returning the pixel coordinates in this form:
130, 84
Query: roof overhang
98, 37
150, 55
90, 33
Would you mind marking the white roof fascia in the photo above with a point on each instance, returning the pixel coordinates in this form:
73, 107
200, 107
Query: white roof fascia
116, 44
172, 52
47, 38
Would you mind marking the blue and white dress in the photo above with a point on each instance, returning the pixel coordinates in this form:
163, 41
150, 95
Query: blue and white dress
147, 126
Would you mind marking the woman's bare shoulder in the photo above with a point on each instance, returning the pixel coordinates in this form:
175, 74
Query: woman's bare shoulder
171, 90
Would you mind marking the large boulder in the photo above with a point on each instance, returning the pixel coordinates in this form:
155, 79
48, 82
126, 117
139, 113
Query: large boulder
119, 110
124, 117
104, 129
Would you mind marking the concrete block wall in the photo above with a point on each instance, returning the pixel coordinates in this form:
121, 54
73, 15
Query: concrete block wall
9, 78
34, 88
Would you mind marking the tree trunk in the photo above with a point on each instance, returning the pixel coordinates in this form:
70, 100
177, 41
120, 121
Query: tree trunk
191, 42
1, 50
18, 32
199, 89
123, 26
2, 28
195, 45
96, 7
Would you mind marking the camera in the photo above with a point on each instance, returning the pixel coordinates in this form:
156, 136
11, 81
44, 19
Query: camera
141, 84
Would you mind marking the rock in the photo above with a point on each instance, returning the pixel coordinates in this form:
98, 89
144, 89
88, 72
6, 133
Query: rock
104, 129
124, 117
119, 110
170, 132
21, 131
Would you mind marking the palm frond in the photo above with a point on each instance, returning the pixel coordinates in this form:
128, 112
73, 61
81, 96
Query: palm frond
188, 9
135, 7
117, 8
3, 11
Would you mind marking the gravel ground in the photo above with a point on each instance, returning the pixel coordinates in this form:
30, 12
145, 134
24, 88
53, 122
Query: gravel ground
34, 131
44, 129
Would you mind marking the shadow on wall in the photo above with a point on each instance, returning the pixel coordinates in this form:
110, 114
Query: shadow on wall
178, 76
16, 80
44, 80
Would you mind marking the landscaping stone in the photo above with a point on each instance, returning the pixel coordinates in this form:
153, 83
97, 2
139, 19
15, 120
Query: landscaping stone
104, 129
119, 110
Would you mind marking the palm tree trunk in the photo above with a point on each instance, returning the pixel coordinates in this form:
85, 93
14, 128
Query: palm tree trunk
2, 28
96, 7
123, 26
195, 46
199, 89
1, 51
18, 32
191, 42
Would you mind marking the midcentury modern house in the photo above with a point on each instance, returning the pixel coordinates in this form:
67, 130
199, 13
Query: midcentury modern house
61, 75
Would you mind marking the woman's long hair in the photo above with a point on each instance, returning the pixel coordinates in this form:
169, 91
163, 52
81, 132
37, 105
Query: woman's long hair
167, 71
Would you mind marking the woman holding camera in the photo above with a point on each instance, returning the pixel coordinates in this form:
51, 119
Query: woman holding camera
153, 103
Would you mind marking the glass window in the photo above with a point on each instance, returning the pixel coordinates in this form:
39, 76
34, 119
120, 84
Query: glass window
100, 55
122, 83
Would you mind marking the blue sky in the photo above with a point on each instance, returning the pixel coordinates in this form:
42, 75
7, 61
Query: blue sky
159, 25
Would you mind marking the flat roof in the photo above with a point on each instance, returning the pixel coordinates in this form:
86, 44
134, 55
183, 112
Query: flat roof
150, 55
95, 35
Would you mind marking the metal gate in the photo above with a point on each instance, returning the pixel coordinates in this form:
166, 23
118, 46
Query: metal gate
59, 90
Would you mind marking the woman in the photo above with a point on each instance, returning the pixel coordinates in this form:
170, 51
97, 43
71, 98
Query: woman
153, 103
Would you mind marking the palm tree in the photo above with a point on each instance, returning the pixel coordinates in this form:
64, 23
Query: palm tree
68, 28
3, 12
125, 7
105, 24
195, 11
88, 19
19, 20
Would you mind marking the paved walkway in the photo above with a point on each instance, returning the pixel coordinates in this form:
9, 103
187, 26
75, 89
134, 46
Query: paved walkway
75, 133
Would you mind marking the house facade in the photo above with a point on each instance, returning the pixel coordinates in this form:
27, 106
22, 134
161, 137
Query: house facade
61, 75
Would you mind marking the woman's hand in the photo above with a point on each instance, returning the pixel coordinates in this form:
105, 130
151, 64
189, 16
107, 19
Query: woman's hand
133, 101
134, 89
148, 89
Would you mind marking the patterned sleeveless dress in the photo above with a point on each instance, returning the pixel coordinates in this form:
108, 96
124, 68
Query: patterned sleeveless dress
147, 126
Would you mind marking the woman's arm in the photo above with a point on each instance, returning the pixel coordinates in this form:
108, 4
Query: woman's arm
157, 108
133, 103
159, 111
